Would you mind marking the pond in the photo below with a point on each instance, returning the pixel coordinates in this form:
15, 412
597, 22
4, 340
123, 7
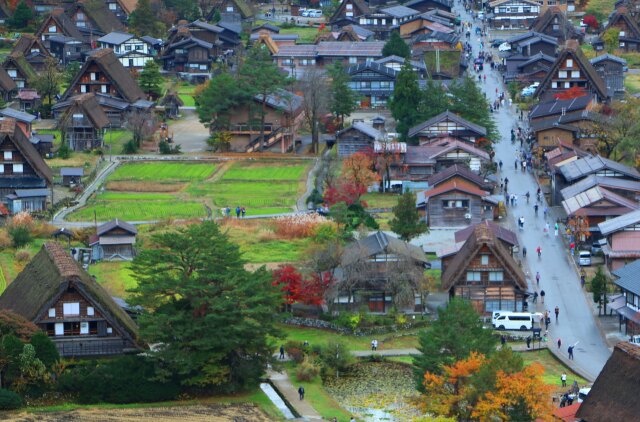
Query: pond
376, 391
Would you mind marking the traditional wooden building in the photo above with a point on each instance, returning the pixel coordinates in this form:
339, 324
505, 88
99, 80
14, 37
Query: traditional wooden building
507, 14
58, 24
33, 50
67, 49
94, 19
349, 11
25, 178
554, 23
531, 43
611, 396
373, 83
627, 280
571, 70
622, 237
460, 172
122, 9
424, 6
611, 69
80, 317
381, 273
114, 240
71, 175
447, 124
83, 123
133, 52
457, 203
8, 87
382, 21
171, 103
359, 137
28, 100
233, 9
598, 204
484, 272
629, 32
425, 24
19, 70
528, 69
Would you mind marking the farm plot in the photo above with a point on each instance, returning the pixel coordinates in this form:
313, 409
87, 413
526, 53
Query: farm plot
172, 190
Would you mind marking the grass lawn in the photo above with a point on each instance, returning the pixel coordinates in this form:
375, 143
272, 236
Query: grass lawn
261, 252
178, 190
633, 59
553, 368
77, 159
114, 276
307, 34
11, 267
600, 8
381, 200
632, 83
588, 51
184, 89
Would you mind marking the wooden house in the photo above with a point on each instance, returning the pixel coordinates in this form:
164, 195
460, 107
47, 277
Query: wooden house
58, 24
611, 397
43, 142
622, 237
23, 120
425, 24
571, 70
597, 205
512, 14
28, 100
133, 52
528, 69
373, 83
531, 43
8, 87
380, 272
273, 41
629, 32
283, 120
233, 9
576, 170
359, 137
396, 63
33, 50
122, 9
67, 49
627, 280
460, 172
19, 70
484, 272
71, 175
554, 23
171, 103
114, 240
447, 124
93, 20
457, 203
611, 69
505, 237
83, 122
115, 88
349, 11
25, 178
382, 21
77, 313
424, 6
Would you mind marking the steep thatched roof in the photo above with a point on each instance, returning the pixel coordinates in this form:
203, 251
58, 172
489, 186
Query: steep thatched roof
9, 129
49, 274
6, 83
28, 42
171, 97
482, 236
114, 71
87, 104
18, 60
614, 395
377, 243
105, 20
63, 22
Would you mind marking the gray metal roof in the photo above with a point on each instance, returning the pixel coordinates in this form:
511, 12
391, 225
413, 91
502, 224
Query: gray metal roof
71, 171
364, 128
629, 279
400, 11
607, 182
592, 164
450, 116
283, 100
18, 115
276, 37
373, 66
102, 229
619, 223
30, 193
608, 56
116, 38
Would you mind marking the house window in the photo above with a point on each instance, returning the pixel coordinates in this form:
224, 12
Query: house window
230, 9
353, 60
1, 168
112, 6
109, 330
562, 74
52, 312
554, 85
575, 73
72, 308
526, 9
83, 88
474, 276
569, 62
103, 89
514, 10
59, 329
84, 328
93, 76
18, 168
90, 311
556, 27
127, 48
502, 10
496, 276
622, 34
349, 6
621, 44
460, 203
567, 85
13, 73
53, 28
287, 62
8, 155
80, 16
484, 259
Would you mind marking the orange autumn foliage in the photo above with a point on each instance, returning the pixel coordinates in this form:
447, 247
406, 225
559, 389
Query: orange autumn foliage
524, 387
359, 169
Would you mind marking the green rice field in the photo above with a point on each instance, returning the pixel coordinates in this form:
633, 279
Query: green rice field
162, 171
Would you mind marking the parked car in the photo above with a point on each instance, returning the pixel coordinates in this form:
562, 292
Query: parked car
596, 248
315, 13
304, 13
584, 258
505, 46
529, 90
497, 42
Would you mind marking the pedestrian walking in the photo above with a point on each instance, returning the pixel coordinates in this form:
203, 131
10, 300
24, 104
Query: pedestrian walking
557, 312
535, 297
538, 278
546, 211
547, 321
572, 248
301, 392
539, 250
524, 252
500, 164
503, 339
563, 378
535, 209
559, 343
582, 280
281, 352
546, 228
555, 230
529, 342
243, 210
237, 212
570, 350
542, 293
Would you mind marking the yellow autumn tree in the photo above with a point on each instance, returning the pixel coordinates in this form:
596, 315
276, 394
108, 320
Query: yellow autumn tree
518, 396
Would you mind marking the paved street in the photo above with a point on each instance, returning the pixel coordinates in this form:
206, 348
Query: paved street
559, 280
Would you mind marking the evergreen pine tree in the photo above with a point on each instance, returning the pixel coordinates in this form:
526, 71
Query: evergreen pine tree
21, 16
151, 80
406, 221
343, 99
396, 47
405, 102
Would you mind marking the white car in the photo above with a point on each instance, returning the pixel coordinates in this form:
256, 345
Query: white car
505, 46
304, 12
315, 13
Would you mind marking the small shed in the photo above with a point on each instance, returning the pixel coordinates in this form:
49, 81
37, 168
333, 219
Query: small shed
42, 142
28, 200
171, 103
114, 240
29, 99
71, 175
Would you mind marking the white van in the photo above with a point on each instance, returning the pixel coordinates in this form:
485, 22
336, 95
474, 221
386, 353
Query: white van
584, 258
315, 13
514, 321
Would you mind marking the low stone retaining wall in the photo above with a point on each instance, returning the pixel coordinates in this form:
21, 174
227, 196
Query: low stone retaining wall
327, 325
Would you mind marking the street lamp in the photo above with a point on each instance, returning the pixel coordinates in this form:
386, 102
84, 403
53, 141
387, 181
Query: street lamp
293, 68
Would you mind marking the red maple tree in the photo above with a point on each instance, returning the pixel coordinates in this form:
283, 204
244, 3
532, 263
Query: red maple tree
314, 288
290, 281
571, 93
296, 289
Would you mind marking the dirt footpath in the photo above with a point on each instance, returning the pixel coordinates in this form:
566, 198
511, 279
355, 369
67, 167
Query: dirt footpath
197, 413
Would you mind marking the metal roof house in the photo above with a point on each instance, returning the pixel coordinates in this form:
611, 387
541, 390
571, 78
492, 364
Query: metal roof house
114, 240
622, 236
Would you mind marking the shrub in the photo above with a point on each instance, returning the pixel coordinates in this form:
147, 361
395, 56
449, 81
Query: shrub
46, 351
348, 320
22, 255
297, 226
295, 350
42, 229
166, 148
334, 358
9, 400
5, 239
130, 147
16, 325
307, 371
20, 236
325, 232
64, 151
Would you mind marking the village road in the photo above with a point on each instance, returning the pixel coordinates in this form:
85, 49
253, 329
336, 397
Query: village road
558, 278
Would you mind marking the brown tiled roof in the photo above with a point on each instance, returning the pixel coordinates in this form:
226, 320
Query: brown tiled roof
500, 232
460, 185
482, 236
9, 128
613, 397
114, 70
47, 276
462, 171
